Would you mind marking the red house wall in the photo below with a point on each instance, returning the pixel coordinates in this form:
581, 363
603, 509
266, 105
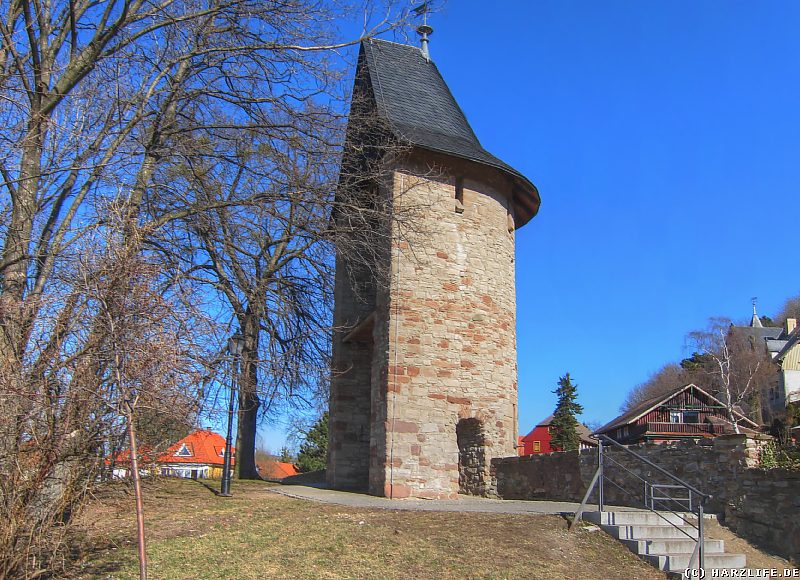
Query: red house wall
541, 433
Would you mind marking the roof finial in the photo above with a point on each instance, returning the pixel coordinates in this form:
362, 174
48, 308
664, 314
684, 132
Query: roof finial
424, 29
755, 321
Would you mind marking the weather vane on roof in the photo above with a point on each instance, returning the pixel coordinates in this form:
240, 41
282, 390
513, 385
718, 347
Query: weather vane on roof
754, 299
424, 29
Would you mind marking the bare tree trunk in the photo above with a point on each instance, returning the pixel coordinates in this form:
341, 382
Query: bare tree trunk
137, 491
249, 402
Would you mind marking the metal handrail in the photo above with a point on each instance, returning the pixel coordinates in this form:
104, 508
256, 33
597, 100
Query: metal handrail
698, 555
661, 470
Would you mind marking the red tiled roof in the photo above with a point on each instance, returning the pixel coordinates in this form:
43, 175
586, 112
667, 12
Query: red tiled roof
124, 456
202, 446
276, 469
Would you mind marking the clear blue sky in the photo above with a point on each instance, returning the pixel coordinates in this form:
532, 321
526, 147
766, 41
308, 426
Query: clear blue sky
664, 138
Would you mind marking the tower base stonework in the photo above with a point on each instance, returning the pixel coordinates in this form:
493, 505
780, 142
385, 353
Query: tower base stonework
424, 386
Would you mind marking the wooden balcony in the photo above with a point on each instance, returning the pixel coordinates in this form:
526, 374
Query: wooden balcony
684, 428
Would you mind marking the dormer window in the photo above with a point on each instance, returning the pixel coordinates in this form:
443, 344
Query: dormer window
184, 451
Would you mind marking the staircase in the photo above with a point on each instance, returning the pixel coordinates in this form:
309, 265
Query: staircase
663, 539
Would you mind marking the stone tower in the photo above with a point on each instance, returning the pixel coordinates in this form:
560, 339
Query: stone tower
424, 390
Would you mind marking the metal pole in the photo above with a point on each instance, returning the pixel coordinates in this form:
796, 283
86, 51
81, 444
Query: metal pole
600, 471
701, 536
225, 489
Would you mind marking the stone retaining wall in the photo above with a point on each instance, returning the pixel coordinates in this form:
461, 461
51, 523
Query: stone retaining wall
761, 505
764, 507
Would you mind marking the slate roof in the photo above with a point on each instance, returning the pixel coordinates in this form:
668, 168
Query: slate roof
645, 407
412, 96
760, 333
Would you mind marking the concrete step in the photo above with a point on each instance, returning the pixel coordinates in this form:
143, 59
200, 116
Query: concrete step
679, 562
650, 532
641, 518
672, 546
667, 547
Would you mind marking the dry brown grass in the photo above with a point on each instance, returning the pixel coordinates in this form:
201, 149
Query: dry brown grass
257, 534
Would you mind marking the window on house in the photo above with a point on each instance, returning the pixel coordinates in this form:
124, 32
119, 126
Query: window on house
675, 417
459, 194
184, 451
691, 417
537, 446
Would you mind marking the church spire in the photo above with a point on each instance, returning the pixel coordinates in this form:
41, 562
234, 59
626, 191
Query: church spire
755, 322
424, 30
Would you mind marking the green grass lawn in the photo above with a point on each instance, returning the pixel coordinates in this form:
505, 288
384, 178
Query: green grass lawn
193, 533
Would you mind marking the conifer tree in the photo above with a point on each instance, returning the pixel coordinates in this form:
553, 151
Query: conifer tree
564, 426
313, 455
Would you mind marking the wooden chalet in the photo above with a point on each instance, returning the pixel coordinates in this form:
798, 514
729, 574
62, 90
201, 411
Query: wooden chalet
687, 412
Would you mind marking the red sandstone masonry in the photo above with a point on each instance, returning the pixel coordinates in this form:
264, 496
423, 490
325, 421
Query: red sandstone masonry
443, 346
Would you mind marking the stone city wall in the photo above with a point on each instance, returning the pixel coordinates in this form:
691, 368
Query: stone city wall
761, 505
764, 507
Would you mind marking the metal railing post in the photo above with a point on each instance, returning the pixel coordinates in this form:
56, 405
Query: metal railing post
701, 536
657, 493
600, 497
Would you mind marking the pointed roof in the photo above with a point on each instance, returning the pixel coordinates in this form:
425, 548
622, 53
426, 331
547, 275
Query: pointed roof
755, 322
412, 96
791, 342
202, 447
645, 407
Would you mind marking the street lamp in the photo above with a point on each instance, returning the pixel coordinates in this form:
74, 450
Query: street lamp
235, 347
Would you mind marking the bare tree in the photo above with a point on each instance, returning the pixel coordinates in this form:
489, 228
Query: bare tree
118, 344
667, 378
100, 101
269, 263
735, 367
790, 309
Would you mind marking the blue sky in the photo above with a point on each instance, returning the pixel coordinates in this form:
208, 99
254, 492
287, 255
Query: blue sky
664, 138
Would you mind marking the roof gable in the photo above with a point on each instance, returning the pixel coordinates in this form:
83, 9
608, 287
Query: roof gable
645, 407
794, 338
204, 447
410, 94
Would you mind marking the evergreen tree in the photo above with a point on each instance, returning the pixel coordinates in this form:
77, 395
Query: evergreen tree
564, 426
285, 456
313, 454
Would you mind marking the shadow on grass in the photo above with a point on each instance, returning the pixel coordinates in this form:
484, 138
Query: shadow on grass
213, 490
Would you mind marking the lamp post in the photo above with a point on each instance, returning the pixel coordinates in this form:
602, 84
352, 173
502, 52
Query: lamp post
235, 346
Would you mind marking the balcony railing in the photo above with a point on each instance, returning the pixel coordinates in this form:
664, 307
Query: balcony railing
685, 428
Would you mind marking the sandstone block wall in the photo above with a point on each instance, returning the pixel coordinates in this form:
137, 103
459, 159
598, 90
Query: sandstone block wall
349, 422
761, 505
440, 364
451, 349
706, 464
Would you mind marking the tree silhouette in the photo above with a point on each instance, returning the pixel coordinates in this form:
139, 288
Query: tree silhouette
564, 426
313, 454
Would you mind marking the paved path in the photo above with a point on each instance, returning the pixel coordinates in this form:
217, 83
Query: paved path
463, 504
